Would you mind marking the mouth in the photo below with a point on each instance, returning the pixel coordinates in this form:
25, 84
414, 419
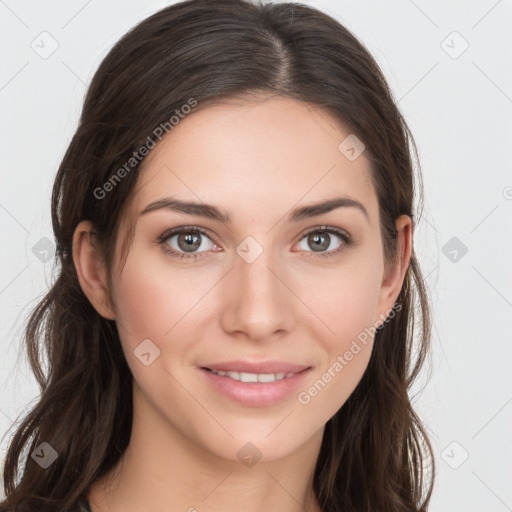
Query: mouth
263, 386
253, 377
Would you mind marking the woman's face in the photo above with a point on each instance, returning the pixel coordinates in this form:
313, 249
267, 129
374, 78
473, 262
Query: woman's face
267, 285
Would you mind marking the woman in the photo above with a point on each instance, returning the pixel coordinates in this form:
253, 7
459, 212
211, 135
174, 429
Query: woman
232, 323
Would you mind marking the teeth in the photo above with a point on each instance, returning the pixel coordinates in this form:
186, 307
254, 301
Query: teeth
254, 377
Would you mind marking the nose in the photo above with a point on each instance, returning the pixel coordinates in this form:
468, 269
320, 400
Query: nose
258, 299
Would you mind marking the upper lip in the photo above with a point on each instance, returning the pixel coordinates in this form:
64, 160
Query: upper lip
256, 367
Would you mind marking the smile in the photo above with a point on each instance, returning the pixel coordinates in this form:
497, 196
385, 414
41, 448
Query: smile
253, 377
254, 389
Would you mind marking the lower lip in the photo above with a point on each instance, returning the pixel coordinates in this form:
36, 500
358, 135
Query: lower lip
256, 394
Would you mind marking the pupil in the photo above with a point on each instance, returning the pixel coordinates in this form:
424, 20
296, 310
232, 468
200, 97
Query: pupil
191, 242
316, 245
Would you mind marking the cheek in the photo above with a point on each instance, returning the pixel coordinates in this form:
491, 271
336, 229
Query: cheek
156, 301
343, 299
346, 305
347, 348
157, 315
143, 302
330, 387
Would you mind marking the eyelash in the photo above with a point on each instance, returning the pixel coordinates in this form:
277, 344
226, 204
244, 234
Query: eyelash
163, 238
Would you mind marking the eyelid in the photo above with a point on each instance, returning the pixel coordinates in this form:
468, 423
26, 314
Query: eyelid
329, 229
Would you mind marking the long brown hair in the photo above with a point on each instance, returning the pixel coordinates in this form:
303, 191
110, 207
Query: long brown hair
375, 452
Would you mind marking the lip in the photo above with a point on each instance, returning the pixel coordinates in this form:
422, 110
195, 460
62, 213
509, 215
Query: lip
256, 394
256, 367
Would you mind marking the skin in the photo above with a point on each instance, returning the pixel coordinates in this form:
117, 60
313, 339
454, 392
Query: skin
257, 161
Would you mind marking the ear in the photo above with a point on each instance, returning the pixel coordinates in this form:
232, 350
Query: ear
91, 270
394, 278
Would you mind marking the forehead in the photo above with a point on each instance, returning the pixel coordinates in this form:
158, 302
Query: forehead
255, 157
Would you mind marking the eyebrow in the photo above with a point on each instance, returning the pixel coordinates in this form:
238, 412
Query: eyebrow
213, 212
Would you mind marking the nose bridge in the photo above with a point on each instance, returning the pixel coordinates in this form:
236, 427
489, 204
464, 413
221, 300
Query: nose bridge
259, 303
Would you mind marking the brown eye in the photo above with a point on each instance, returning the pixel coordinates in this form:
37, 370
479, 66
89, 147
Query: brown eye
325, 241
184, 242
319, 242
189, 242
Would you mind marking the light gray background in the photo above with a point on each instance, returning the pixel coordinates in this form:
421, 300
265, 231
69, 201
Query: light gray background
458, 106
